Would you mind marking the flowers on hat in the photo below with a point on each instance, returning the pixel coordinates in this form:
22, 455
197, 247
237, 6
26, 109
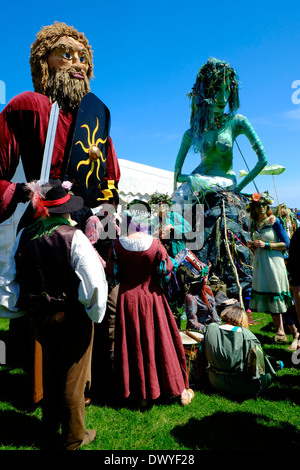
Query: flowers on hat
259, 197
256, 197
67, 185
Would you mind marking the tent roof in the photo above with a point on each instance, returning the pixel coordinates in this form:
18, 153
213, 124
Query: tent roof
139, 181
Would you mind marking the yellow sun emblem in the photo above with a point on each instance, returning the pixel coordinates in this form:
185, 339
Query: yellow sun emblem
93, 151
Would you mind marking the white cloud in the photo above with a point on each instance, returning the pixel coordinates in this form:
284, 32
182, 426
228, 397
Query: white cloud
294, 114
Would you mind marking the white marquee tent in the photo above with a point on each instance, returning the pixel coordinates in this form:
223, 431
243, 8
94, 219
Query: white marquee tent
139, 181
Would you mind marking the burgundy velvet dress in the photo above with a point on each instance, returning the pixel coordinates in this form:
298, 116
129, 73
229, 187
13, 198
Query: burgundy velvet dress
149, 356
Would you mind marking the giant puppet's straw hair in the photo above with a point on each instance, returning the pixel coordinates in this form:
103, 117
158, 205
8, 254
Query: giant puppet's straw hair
45, 40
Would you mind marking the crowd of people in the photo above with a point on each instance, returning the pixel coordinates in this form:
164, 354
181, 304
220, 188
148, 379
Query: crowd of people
98, 293
96, 289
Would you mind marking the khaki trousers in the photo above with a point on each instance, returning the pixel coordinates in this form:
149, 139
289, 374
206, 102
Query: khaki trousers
66, 340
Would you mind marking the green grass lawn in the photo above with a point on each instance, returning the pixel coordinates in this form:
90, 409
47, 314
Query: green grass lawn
211, 422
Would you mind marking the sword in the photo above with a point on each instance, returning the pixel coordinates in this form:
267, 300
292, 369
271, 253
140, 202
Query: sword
47, 157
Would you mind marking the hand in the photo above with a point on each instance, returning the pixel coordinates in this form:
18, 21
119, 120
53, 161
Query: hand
259, 244
22, 193
250, 244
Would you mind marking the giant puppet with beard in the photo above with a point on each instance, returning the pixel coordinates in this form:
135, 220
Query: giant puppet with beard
61, 63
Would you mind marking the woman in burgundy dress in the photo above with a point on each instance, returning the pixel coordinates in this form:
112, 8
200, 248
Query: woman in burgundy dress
149, 355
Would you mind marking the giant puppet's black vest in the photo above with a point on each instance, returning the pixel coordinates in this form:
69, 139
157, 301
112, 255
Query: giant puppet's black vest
109, 234
48, 283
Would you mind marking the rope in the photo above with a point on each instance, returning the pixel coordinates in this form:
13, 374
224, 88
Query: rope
239, 261
246, 164
233, 235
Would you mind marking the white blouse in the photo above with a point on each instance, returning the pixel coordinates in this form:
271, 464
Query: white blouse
136, 244
92, 290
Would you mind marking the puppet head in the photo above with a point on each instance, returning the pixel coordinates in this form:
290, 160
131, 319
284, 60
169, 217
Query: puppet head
51, 82
212, 77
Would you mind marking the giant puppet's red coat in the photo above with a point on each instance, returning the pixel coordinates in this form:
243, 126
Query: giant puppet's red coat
23, 131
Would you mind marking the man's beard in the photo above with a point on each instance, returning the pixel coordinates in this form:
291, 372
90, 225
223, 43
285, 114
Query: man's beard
67, 91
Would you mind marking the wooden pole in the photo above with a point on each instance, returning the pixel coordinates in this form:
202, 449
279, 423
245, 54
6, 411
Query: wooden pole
231, 259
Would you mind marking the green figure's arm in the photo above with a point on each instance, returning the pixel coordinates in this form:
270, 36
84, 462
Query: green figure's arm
244, 127
183, 150
215, 164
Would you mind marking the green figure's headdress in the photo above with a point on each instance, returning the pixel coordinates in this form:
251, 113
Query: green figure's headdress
210, 76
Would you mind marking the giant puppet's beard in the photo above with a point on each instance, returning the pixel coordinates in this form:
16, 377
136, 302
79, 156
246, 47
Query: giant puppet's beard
67, 91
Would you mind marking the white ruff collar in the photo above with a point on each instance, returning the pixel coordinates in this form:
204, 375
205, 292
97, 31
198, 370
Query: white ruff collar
136, 244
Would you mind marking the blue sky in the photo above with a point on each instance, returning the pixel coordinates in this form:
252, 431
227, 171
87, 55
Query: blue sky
146, 58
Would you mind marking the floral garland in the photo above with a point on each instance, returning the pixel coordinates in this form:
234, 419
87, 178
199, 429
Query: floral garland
259, 197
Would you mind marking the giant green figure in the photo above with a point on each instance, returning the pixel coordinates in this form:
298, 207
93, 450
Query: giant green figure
213, 132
